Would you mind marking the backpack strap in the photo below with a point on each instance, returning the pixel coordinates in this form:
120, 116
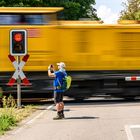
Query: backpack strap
59, 82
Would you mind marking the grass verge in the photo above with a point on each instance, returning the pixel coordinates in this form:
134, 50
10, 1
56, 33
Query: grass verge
10, 117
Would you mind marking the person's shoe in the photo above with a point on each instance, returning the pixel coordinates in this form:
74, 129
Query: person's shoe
58, 117
63, 116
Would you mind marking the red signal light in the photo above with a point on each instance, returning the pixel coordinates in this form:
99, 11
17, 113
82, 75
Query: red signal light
18, 42
18, 37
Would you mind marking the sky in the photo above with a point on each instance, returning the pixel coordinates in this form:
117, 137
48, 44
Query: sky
109, 10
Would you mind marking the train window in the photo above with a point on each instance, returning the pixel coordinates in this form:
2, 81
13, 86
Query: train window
28, 19
8, 19
34, 19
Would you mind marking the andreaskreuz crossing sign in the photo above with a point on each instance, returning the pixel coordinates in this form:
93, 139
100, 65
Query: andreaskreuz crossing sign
19, 73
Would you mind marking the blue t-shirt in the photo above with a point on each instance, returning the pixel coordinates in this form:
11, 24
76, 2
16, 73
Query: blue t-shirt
59, 80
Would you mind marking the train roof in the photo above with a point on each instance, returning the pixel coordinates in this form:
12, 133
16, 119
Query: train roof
11, 10
96, 24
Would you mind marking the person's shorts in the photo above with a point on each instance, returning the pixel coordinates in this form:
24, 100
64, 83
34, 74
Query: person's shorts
58, 97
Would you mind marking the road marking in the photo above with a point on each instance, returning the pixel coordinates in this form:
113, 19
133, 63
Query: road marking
36, 117
30, 121
50, 107
134, 126
128, 132
33, 119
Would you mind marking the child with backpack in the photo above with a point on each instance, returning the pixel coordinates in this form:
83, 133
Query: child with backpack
60, 84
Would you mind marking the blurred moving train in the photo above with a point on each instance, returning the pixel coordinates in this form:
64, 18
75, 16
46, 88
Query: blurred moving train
99, 57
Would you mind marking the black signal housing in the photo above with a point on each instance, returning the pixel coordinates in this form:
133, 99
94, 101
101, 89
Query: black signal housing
18, 42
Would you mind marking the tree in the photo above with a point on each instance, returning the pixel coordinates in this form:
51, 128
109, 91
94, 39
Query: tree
75, 9
71, 9
21, 3
131, 11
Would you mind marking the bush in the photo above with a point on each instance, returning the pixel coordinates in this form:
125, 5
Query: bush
1, 92
6, 121
8, 102
10, 115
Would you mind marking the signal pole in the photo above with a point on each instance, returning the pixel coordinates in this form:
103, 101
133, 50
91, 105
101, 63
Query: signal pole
18, 86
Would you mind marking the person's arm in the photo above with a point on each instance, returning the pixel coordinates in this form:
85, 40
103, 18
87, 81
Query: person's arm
51, 71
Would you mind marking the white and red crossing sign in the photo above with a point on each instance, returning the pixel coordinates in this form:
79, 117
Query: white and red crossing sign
19, 73
132, 78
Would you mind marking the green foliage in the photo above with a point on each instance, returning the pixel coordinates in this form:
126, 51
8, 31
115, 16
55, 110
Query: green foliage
10, 115
6, 121
6, 117
8, 102
1, 92
73, 9
21, 3
131, 11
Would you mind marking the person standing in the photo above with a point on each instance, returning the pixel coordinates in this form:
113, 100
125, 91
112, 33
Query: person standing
59, 75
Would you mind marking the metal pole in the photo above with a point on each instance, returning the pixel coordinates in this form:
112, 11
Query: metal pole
18, 86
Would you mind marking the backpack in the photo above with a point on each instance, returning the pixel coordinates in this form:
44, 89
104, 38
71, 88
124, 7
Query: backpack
66, 83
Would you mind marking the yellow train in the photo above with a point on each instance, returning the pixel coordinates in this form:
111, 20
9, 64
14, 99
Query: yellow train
102, 59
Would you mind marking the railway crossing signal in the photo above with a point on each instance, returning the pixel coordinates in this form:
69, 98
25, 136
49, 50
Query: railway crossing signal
18, 47
18, 42
18, 73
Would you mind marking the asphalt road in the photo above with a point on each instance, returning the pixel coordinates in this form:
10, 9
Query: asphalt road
91, 120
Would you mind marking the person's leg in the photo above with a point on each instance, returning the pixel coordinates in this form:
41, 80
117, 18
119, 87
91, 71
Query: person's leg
58, 107
62, 108
57, 99
61, 104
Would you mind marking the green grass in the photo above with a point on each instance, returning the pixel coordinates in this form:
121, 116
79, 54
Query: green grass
10, 117
1, 95
6, 121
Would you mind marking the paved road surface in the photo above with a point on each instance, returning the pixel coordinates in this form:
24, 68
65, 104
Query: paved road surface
92, 121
